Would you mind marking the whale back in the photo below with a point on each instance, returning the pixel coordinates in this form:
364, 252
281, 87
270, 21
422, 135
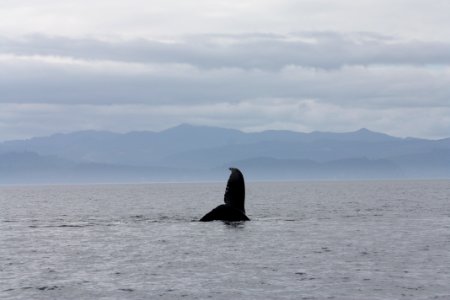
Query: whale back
235, 191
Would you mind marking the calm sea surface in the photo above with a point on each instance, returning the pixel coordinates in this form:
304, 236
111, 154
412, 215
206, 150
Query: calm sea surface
328, 240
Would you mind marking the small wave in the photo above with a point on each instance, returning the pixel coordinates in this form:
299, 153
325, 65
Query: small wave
138, 217
74, 226
159, 219
48, 288
62, 226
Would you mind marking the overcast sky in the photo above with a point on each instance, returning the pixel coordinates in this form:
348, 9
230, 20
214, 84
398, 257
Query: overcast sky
117, 65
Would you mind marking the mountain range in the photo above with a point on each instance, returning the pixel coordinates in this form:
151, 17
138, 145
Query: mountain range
193, 153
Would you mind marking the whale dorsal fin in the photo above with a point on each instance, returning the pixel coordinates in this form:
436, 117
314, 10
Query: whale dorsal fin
235, 191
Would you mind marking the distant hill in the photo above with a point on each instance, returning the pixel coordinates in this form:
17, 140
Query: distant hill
28, 167
286, 169
189, 152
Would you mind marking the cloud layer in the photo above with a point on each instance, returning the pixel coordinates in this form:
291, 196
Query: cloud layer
420, 19
135, 68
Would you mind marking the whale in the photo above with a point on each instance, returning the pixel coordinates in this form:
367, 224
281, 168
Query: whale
234, 198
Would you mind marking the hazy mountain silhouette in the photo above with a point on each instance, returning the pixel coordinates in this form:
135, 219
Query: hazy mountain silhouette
189, 152
29, 167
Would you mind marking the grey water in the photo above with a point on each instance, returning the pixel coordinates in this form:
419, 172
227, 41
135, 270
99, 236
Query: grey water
306, 240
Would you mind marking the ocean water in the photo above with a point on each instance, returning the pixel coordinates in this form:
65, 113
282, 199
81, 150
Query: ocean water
306, 240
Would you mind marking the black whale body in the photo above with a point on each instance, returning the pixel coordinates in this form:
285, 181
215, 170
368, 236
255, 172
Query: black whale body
234, 208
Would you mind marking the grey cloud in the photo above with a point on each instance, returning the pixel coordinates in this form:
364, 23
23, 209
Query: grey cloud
326, 50
38, 81
306, 81
33, 81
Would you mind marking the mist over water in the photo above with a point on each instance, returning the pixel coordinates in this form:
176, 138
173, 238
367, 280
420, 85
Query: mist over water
306, 240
